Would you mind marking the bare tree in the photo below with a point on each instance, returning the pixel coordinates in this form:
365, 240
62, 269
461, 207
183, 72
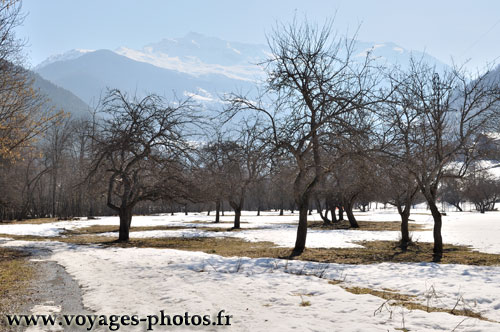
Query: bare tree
452, 192
436, 118
57, 140
282, 173
312, 85
212, 159
482, 189
141, 146
24, 113
244, 161
398, 188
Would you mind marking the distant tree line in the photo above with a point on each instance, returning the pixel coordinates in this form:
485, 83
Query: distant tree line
329, 130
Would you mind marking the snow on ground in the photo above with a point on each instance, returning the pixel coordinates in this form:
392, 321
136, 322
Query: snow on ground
480, 231
282, 236
265, 294
53, 229
47, 308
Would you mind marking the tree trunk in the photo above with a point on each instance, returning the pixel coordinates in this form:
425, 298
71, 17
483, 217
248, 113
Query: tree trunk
237, 212
217, 211
341, 213
300, 243
324, 217
458, 207
405, 232
282, 212
438, 222
332, 212
53, 192
237, 216
125, 221
350, 215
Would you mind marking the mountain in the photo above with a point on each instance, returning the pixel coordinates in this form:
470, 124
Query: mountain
69, 55
60, 98
194, 65
390, 54
196, 54
90, 74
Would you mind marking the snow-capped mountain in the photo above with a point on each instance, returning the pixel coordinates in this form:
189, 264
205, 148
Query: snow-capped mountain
391, 54
194, 65
69, 55
89, 75
196, 54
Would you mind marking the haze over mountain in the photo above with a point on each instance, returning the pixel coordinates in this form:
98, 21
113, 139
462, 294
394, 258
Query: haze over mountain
90, 74
60, 98
195, 65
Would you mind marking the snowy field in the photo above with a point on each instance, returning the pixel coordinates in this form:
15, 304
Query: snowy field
266, 294
480, 231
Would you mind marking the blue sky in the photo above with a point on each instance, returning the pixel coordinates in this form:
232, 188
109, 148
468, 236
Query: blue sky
442, 28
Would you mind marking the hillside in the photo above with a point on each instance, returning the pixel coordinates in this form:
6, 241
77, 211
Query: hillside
60, 98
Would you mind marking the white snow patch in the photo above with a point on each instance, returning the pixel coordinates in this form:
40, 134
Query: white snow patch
233, 49
48, 308
193, 65
398, 49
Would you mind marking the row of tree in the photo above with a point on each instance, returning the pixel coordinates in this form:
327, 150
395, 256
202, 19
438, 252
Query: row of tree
327, 129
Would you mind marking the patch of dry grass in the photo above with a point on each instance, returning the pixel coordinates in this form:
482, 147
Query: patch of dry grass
36, 221
384, 294
410, 302
15, 274
371, 252
390, 251
96, 229
370, 226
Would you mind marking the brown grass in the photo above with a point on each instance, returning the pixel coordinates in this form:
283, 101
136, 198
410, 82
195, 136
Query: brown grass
372, 251
384, 294
370, 226
15, 274
36, 221
389, 251
409, 302
96, 229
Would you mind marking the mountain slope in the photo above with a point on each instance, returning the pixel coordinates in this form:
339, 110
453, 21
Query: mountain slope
197, 54
194, 65
90, 74
60, 98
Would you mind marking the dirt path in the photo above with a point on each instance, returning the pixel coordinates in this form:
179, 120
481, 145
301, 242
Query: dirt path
53, 291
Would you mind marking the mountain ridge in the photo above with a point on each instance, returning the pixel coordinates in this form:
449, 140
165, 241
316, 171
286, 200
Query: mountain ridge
183, 67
